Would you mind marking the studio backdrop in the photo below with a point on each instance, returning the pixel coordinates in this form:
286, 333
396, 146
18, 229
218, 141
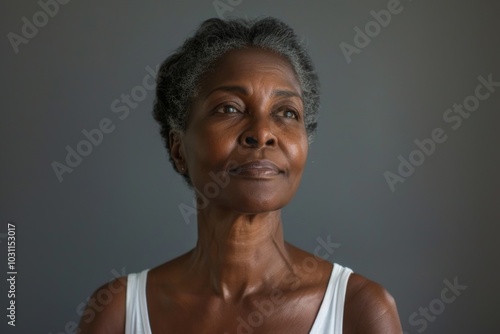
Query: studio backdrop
401, 183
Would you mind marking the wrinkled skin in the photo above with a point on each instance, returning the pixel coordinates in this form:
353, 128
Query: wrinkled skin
249, 109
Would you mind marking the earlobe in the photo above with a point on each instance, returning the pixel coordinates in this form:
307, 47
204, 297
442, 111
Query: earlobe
176, 150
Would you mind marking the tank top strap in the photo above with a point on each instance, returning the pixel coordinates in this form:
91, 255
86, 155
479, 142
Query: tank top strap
331, 312
328, 320
137, 319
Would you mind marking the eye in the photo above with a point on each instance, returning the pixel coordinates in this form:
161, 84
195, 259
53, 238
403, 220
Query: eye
227, 109
288, 113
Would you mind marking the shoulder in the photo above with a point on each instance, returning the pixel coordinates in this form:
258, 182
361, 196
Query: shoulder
105, 310
369, 308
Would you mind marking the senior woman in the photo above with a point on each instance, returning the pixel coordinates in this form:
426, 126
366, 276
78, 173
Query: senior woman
237, 104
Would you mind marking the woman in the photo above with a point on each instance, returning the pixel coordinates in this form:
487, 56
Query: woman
237, 105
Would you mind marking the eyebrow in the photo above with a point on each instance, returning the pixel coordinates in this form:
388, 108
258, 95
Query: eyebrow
286, 93
244, 91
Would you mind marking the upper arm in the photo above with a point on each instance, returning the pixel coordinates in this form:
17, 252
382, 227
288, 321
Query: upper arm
370, 309
105, 310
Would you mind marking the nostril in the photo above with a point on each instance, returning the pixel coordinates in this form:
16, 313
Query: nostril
270, 142
250, 140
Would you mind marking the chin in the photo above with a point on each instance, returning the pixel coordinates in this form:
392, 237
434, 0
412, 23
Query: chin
250, 195
253, 200
256, 208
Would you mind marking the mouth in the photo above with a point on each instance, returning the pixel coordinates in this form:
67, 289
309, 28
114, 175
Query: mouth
256, 168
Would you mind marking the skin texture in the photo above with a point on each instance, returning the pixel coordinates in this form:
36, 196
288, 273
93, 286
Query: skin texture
248, 108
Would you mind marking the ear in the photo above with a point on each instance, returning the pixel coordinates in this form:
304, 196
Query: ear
177, 150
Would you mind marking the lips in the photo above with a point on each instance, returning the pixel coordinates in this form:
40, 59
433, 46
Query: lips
256, 168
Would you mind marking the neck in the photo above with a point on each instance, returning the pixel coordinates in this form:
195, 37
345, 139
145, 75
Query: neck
239, 254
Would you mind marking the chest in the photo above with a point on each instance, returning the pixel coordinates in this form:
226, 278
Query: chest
259, 315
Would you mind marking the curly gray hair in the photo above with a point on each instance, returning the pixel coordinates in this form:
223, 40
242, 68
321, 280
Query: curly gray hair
179, 75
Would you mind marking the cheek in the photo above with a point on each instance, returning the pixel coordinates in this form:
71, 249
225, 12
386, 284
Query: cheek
297, 153
300, 160
205, 150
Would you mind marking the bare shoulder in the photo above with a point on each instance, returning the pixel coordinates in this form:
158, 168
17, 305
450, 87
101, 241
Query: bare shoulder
105, 310
369, 308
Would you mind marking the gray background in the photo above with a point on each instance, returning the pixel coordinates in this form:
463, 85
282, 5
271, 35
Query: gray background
118, 210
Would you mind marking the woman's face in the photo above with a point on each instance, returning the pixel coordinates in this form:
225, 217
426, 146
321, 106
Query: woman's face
246, 145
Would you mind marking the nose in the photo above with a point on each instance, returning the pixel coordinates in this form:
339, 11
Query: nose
258, 134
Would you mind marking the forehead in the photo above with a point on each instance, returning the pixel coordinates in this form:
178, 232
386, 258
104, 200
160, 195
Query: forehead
241, 66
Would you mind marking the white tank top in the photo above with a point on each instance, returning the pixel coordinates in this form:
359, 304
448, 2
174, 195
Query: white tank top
328, 320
